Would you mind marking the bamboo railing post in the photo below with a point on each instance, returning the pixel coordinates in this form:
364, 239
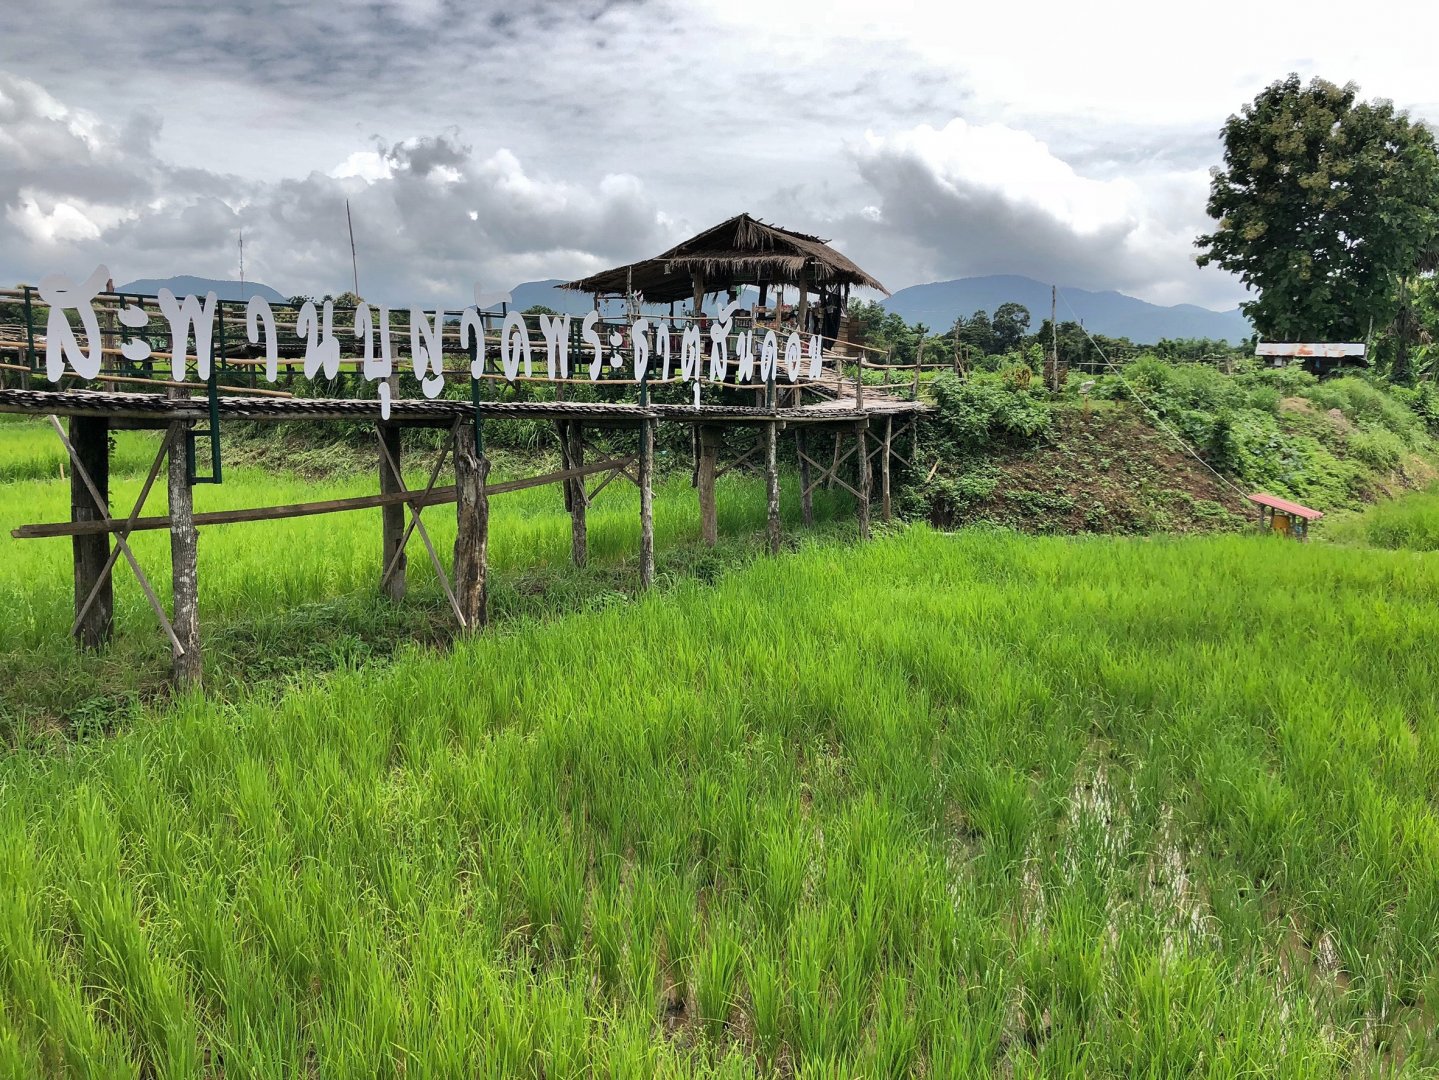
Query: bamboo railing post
392, 518
771, 481
472, 537
90, 436
187, 662
647, 504
806, 496
918, 360
862, 439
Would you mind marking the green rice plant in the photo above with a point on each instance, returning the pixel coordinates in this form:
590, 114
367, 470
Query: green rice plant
717, 969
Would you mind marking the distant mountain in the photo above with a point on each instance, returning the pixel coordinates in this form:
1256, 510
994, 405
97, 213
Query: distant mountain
1112, 313
549, 293
197, 286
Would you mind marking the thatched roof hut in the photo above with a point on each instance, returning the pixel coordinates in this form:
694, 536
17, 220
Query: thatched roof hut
740, 251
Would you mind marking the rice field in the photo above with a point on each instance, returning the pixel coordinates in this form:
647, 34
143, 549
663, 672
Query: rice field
937, 805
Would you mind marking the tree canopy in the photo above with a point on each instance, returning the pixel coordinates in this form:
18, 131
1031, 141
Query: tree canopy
1323, 204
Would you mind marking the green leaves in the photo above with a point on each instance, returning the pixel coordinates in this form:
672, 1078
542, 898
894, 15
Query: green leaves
1323, 203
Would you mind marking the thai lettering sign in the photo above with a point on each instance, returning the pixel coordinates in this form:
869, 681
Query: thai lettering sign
643, 345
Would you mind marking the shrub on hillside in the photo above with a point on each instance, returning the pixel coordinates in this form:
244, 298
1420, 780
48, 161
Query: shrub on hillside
1377, 447
1362, 402
974, 412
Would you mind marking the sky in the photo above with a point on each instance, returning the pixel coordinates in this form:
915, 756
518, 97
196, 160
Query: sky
481, 145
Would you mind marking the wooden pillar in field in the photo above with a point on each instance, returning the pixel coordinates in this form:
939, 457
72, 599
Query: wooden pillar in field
806, 496
187, 667
472, 537
562, 431
771, 484
709, 455
90, 436
579, 528
834, 465
392, 518
862, 446
884, 468
647, 503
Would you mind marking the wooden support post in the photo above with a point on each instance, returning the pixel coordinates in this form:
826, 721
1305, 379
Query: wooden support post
647, 504
90, 437
187, 664
806, 494
834, 465
918, 361
709, 455
392, 518
579, 529
562, 431
472, 538
884, 469
771, 483
862, 438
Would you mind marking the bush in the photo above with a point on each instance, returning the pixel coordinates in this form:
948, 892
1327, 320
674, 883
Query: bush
1377, 447
1362, 402
976, 411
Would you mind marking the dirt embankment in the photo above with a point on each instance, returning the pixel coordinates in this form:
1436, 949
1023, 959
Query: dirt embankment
1103, 471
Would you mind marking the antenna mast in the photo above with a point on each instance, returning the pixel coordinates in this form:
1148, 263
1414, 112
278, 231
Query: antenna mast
354, 263
242, 260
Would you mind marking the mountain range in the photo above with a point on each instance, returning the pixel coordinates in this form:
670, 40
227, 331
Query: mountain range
198, 286
1111, 313
936, 304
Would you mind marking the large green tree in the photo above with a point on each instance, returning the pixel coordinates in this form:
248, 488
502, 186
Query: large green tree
1323, 204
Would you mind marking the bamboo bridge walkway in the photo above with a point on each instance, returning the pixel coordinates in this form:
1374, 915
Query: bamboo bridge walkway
865, 422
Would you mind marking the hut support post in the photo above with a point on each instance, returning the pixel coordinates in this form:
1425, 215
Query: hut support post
771, 483
709, 454
579, 529
862, 445
392, 518
187, 664
90, 437
806, 496
647, 504
884, 468
472, 538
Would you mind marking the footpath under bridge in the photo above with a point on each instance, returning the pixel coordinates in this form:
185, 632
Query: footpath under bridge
865, 422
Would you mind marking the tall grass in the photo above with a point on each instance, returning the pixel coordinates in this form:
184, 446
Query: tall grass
936, 805
1410, 522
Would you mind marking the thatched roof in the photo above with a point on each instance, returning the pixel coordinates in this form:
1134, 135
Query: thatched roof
740, 251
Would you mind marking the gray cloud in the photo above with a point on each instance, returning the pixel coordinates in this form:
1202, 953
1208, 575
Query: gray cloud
502, 142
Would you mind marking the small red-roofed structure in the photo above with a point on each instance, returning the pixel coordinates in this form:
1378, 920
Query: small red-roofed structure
1284, 517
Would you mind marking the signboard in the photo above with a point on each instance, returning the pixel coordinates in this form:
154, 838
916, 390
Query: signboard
645, 346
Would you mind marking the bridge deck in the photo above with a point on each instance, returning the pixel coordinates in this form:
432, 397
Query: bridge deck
140, 410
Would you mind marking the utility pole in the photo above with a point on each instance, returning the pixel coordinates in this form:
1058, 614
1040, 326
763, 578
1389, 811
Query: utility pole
1053, 339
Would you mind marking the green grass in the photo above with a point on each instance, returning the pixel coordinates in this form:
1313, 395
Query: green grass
936, 805
281, 601
1410, 522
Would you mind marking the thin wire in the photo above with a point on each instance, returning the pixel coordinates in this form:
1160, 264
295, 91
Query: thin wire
1149, 408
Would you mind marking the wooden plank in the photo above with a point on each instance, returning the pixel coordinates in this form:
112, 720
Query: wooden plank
293, 510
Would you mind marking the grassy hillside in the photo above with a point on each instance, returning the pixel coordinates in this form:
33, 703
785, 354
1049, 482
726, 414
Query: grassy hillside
938, 805
1160, 447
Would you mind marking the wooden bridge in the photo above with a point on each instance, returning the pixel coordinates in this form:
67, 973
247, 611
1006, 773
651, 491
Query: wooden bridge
865, 423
